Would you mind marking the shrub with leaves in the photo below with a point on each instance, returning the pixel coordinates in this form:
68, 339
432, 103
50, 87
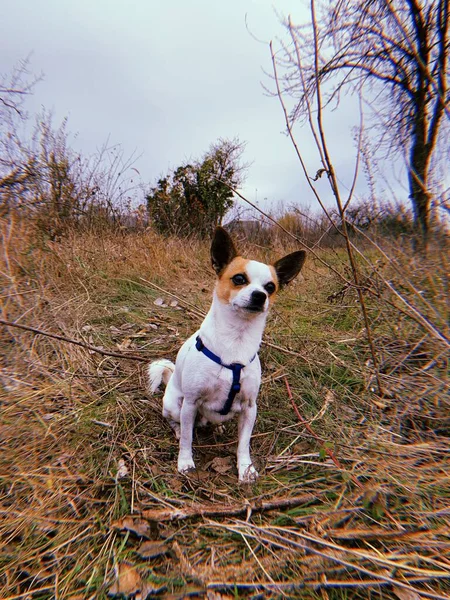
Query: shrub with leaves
196, 196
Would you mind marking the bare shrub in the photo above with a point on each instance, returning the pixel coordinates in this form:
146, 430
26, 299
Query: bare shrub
58, 188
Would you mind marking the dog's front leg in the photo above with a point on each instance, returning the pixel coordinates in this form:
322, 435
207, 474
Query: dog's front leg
247, 472
187, 419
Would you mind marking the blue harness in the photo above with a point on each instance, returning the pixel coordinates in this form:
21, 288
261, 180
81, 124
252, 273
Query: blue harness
236, 369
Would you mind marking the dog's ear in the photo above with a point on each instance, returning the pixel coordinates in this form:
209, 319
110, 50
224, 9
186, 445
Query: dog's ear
222, 250
289, 266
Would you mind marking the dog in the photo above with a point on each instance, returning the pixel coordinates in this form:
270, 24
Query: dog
217, 373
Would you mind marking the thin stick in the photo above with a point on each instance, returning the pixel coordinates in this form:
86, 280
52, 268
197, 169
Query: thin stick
195, 308
335, 189
309, 429
287, 543
291, 235
316, 585
62, 338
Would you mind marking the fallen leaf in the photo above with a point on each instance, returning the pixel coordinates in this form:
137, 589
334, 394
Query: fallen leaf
155, 470
212, 595
122, 470
101, 423
140, 334
138, 526
152, 549
128, 581
222, 464
329, 397
148, 588
200, 475
125, 344
406, 594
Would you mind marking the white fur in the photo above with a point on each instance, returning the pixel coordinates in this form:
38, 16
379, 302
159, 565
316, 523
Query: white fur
159, 371
259, 274
199, 385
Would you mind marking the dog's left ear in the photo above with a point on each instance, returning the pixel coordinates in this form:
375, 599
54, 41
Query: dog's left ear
222, 250
289, 266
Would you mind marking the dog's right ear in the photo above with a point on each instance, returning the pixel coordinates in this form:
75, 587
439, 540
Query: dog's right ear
222, 250
289, 267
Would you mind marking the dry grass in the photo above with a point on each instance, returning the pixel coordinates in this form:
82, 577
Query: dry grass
84, 446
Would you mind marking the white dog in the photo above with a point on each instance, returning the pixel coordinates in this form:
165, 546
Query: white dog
217, 372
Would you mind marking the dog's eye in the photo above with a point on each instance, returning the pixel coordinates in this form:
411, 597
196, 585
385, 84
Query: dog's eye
239, 279
269, 287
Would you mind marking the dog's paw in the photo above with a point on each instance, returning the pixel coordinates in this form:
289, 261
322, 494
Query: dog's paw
185, 466
248, 474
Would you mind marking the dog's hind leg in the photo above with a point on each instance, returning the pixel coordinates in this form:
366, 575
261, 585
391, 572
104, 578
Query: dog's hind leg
172, 401
176, 428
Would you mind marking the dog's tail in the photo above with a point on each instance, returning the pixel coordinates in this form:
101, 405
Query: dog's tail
159, 371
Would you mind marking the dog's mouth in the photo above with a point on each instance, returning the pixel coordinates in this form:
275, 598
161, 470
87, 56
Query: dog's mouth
254, 308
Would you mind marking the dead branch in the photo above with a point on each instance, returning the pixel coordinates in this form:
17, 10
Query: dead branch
291, 235
277, 536
62, 338
225, 510
307, 426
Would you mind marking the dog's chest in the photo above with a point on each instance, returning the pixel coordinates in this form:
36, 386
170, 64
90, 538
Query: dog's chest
214, 393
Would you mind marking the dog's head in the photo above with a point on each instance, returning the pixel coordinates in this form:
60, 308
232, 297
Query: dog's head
248, 285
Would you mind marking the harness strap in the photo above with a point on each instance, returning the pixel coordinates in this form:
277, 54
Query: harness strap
235, 368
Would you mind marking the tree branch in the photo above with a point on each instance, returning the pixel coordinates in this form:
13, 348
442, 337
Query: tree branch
62, 338
224, 510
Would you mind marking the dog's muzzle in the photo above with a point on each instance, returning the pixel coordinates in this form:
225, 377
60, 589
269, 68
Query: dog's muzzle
257, 301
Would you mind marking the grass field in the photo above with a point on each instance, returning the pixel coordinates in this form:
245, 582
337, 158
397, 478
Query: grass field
354, 504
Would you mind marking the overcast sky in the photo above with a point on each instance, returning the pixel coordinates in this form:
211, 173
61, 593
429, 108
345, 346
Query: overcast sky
166, 79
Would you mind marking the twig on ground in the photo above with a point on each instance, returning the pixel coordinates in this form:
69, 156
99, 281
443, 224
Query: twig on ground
275, 536
216, 510
307, 426
62, 338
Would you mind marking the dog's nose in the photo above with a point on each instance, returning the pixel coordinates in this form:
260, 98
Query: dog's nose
258, 298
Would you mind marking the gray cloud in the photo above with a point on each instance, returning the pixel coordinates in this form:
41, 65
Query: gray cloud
167, 79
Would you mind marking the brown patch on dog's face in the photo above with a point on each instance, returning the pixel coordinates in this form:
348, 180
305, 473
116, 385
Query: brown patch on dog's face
248, 285
273, 295
225, 288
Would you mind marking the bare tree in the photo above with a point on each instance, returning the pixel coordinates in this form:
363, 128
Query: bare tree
14, 87
397, 51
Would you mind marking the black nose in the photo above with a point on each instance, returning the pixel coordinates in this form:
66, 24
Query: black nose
258, 298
